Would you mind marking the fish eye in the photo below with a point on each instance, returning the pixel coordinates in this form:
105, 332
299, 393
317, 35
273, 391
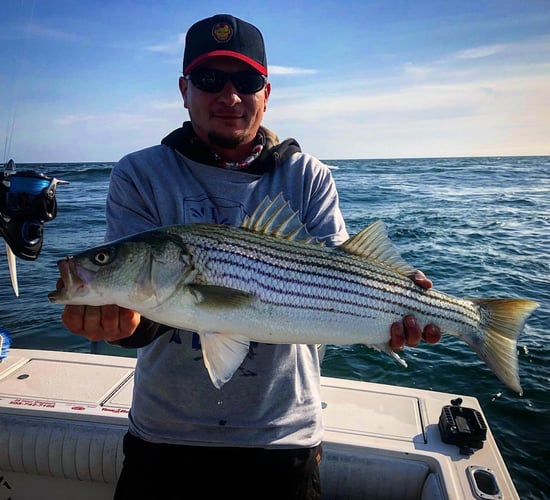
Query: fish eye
102, 257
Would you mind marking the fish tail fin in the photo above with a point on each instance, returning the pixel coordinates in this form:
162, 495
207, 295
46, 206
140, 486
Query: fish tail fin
506, 319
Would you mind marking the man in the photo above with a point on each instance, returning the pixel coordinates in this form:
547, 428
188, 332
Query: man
259, 435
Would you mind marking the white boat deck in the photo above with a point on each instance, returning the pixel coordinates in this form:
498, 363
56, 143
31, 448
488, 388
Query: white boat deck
63, 415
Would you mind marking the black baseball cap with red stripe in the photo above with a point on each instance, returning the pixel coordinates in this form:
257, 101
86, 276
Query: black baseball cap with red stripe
224, 35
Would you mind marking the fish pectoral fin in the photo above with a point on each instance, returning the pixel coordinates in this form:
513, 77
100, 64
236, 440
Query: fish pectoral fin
219, 297
388, 350
223, 354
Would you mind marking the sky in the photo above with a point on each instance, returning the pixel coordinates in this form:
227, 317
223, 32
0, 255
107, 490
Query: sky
92, 80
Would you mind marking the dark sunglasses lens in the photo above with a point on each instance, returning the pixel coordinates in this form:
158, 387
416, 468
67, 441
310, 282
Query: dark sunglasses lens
248, 82
212, 80
208, 80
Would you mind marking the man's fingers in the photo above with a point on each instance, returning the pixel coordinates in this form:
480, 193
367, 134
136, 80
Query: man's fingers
92, 319
431, 334
72, 317
408, 333
413, 333
397, 339
109, 322
420, 279
129, 321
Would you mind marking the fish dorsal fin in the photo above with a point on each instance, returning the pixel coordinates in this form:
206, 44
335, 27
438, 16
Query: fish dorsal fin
276, 218
373, 243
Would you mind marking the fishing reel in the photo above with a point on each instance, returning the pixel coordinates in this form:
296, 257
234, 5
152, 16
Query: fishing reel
27, 201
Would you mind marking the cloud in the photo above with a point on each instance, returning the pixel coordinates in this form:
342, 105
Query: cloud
417, 71
74, 119
119, 120
485, 62
485, 100
483, 116
172, 46
289, 70
529, 48
481, 52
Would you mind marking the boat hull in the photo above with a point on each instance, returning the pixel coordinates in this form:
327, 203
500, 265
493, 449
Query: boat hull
61, 437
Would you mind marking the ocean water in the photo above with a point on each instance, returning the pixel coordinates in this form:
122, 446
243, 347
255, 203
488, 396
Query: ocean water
478, 227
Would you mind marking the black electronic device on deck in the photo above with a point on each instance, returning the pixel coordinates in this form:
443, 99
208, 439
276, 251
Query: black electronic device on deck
463, 427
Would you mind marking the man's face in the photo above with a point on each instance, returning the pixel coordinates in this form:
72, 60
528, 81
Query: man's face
228, 121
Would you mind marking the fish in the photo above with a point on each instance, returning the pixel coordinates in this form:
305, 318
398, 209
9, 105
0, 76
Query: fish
269, 280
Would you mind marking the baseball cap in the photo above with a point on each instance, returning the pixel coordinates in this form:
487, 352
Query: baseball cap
224, 35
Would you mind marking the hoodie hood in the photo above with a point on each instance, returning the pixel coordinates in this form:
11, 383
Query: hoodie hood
185, 141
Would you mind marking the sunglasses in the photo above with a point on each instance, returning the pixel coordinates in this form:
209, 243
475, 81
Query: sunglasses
214, 80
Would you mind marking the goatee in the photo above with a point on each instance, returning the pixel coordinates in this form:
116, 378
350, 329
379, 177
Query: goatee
223, 141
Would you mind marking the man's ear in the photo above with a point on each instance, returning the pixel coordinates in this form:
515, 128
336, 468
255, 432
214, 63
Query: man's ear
267, 91
183, 85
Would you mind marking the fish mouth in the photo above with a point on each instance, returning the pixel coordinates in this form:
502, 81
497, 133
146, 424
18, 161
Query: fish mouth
75, 281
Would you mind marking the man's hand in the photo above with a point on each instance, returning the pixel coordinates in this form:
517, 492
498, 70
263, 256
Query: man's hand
408, 332
95, 323
109, 322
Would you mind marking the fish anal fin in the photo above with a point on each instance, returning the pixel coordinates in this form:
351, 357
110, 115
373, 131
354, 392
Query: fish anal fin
374, 244
389, 351
223, 354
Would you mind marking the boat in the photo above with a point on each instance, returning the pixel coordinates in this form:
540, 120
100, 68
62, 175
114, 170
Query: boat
63, 416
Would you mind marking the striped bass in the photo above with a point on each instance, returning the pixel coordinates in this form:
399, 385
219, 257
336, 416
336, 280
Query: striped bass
270, 281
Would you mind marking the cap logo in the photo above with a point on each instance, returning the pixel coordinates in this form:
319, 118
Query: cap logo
222, 32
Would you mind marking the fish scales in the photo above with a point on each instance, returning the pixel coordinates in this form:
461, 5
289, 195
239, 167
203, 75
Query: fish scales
267, 281
222, 253
281, 263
